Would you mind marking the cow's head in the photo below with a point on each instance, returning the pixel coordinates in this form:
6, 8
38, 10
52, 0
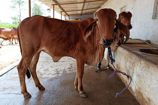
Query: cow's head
125, 19
105, 24
122, 29
119, 34
109, 28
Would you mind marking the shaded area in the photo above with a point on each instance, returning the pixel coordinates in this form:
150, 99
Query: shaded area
58, 81
150, 51
135, 46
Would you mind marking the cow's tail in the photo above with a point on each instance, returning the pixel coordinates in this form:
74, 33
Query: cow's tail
28, 74
19, 39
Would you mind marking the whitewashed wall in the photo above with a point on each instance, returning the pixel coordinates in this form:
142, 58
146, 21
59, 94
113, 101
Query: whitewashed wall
144, 27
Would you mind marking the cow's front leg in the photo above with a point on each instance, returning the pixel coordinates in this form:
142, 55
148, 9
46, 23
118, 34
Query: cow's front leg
98, 67
80, 72
76, 82
101, 56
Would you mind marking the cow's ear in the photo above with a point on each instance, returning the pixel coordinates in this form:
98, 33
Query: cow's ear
89, 30
129, 14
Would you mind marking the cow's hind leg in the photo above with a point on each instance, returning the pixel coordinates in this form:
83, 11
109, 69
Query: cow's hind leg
80, 72
22, 68
33, 71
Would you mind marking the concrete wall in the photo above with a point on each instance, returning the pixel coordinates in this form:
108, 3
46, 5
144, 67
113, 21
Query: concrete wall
144, 76
144, 27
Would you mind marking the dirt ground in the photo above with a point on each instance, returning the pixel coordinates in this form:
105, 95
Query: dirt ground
9, 54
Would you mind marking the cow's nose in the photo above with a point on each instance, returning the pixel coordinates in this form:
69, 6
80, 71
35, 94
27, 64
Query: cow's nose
107, 42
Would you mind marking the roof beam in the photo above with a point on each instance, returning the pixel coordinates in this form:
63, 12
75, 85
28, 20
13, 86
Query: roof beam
80, 2
81, 10
57, 3
88, 13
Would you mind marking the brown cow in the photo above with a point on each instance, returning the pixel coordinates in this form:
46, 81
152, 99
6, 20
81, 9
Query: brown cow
122, 29
14, 36
9, 34
62, 38
125, 18
121, 32
5, 33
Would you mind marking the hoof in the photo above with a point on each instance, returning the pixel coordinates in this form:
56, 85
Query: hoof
98, 67
41, 88
27, 95
83, 94
97, 70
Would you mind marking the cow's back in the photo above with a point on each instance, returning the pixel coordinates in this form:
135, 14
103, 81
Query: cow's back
57, 37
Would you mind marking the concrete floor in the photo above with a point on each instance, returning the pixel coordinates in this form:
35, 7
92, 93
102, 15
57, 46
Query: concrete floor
58, 81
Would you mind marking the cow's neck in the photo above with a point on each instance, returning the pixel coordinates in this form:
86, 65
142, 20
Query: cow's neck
95, 47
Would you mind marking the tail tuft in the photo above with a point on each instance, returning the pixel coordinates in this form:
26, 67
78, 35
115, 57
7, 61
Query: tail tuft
28, 73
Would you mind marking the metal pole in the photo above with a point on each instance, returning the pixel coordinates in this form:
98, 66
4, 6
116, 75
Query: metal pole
53, 10
29, 8
61, 15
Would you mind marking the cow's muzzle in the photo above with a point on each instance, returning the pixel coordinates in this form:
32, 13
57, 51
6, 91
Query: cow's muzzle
107, 42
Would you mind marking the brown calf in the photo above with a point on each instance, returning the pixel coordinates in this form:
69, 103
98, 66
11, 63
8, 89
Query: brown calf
79, 40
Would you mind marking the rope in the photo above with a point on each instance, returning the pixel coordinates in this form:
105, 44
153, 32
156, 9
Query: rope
110, 55
118, 72
123, 73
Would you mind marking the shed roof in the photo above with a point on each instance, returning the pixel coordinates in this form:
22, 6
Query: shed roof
74, 7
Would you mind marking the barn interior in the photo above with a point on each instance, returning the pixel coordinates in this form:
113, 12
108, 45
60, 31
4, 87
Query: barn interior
137, 58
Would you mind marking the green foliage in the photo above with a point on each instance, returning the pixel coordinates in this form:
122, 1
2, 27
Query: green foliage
8, 25
15, 20
18, 6
18, 3
36, 10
